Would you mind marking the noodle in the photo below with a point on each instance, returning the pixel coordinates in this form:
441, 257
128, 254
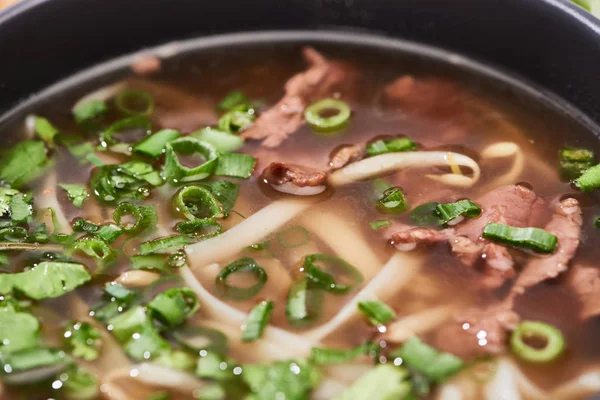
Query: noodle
418, 323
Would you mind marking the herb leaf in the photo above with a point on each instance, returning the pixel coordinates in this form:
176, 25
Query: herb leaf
77, 193
23, 163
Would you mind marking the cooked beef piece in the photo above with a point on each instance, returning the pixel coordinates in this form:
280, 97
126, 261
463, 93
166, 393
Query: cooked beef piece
408, 239
177, 109
467, 251
566, 225
345, 155
320, 80
477, 333
279, 173
585, 282
499, 265
511, 205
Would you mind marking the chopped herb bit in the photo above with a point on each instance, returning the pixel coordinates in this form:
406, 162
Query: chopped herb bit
145, 217
197, 202
574, 162
21, 208
81, 225
304, 303
96, 248
435, 365
33, 365
426, 215
200, 228
383, 146
112, 183
377, 312
173, 306
292, 379
226, 192
450, 212
90, 111
109, 233
245, 265
597, 221
234, 99
134, 102
164, 245
392, 201
45, 130
257, 320
139, 122
235, 165
319, 276
379, 224
23, 163
77, 193
83, 339
292, 237
384, 382
589, 180
322, 356
535, 239
214, 366
224, 142
338, 115
47, 279
237, 119
80, 385
175, 172
18, 330
553, 339
152, 262
154, 145
197, 338
6, 195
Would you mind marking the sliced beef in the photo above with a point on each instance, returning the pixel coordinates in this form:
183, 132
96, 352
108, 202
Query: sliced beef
585, 282
345, 155
566, 226
477, 333
320, 80
408, 239
279, 173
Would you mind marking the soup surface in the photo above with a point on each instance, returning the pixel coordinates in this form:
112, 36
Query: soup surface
298, 221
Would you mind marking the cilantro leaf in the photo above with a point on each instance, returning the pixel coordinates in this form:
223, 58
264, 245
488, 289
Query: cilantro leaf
18, 330
291, 380
77, 193
83, 339
23, 163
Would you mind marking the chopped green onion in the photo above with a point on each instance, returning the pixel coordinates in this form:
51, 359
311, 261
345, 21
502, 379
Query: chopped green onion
585, 4
177, 259
118, 291
597, 221
323, 356
574, 162
535, 239
14, 234
113, 183
449, 212
257, 320
325, 280
85, 152
232, 100
243, 265
27, 367
237, 119
379, 224
144, 217
384, 382
226, 192
23, 163
377, 312
214, 366
292, 237
152, 262
95, 248
383, 146
292, 379
392, 201
173, 306
45, 130
164, 245
435, 365
304, 303
224, 142
90, 111
552, 339
589, 180
235, 165
134, 102
317, 115
197, 202
6, 195
197, 338
200, 228
18, 330
77, 193
83, 339
425, 215
154, 145
80, 385
137, 122
20, 207
108, 232
175, 172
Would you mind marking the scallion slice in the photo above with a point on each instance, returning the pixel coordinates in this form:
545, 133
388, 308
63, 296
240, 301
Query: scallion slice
589, 180
382, 146
90, 111
45, 130
392, 201
243, 265
175, 172
426, 214
257, 320
324, 356
134, 102
304, 303
109, 232
224, 142
378, 313
197, 338
235, 165
173, 306
95, 248
327, 115
144, 217
449, 212
554, 342
197, 202
574, 162
164, 244
201, 228
138, 122
81, 225
237, 119
232, 100
379, 224
151, 262
154, 145
535, 239
344, 273
292, 237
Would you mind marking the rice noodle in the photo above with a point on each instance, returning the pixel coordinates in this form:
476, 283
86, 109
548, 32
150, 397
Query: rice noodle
47, 199
137, 278
390, 162
150, 374
395, 274
251, 231
503, 385
419, 323
219, 310
584, 385
104, 93
328, 389
344, 239
459, 387
505, 150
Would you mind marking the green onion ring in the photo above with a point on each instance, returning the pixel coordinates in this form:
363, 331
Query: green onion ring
144, 217
245, 264
312, 115
197, 338
304, 303
555, 342
324, 279
296, 230
126, 97
201, 228
175, 172
197, 202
